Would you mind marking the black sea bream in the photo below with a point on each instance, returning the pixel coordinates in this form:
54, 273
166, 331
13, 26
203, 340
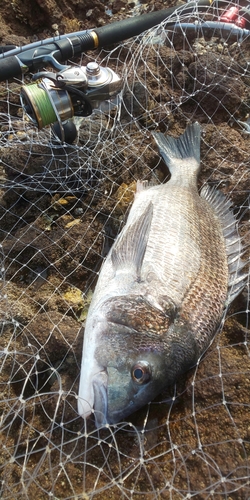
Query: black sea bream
162, 290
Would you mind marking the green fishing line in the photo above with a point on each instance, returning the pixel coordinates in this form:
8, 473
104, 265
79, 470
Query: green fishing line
41, 105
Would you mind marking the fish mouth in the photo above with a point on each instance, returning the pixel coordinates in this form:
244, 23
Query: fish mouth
100, 399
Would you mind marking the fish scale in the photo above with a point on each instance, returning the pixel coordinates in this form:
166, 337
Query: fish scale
211, 282
173, 263
163, 289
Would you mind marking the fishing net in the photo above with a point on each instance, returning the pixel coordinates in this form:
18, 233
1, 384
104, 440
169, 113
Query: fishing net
61, 206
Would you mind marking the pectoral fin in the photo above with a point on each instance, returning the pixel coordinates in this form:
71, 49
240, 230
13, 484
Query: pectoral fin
129, 248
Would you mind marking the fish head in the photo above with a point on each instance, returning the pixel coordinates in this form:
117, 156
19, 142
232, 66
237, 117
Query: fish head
124, 364
126, 372
133, 373
132, 351
120, 378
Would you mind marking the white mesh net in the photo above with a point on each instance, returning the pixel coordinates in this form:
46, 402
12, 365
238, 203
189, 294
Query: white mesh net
61, 208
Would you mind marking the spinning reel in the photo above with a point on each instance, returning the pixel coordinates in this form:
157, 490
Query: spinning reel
56, 98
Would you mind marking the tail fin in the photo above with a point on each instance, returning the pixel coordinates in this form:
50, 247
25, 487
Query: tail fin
187, 146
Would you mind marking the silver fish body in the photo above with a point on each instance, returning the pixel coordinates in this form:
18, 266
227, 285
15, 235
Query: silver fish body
162, 290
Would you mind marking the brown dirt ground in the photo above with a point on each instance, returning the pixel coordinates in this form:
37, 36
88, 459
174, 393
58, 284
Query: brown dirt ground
50, 250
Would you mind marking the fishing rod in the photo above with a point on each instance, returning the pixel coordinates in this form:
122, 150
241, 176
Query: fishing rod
32, 57
76, 90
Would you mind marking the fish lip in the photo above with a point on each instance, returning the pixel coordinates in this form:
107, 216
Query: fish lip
99, 384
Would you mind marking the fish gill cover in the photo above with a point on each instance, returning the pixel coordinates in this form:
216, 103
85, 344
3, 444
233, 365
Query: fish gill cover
61, 208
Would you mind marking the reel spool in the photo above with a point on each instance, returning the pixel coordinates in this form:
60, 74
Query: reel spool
45, 104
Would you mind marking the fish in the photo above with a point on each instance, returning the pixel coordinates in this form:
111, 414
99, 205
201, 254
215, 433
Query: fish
163, 290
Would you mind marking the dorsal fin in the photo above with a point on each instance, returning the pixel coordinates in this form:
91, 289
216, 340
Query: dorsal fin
222, 206
129, 248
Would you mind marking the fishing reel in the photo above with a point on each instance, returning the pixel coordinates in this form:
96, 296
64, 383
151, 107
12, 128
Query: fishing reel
56, 98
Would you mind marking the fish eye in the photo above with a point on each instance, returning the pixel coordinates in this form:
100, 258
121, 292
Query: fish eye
141, 372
